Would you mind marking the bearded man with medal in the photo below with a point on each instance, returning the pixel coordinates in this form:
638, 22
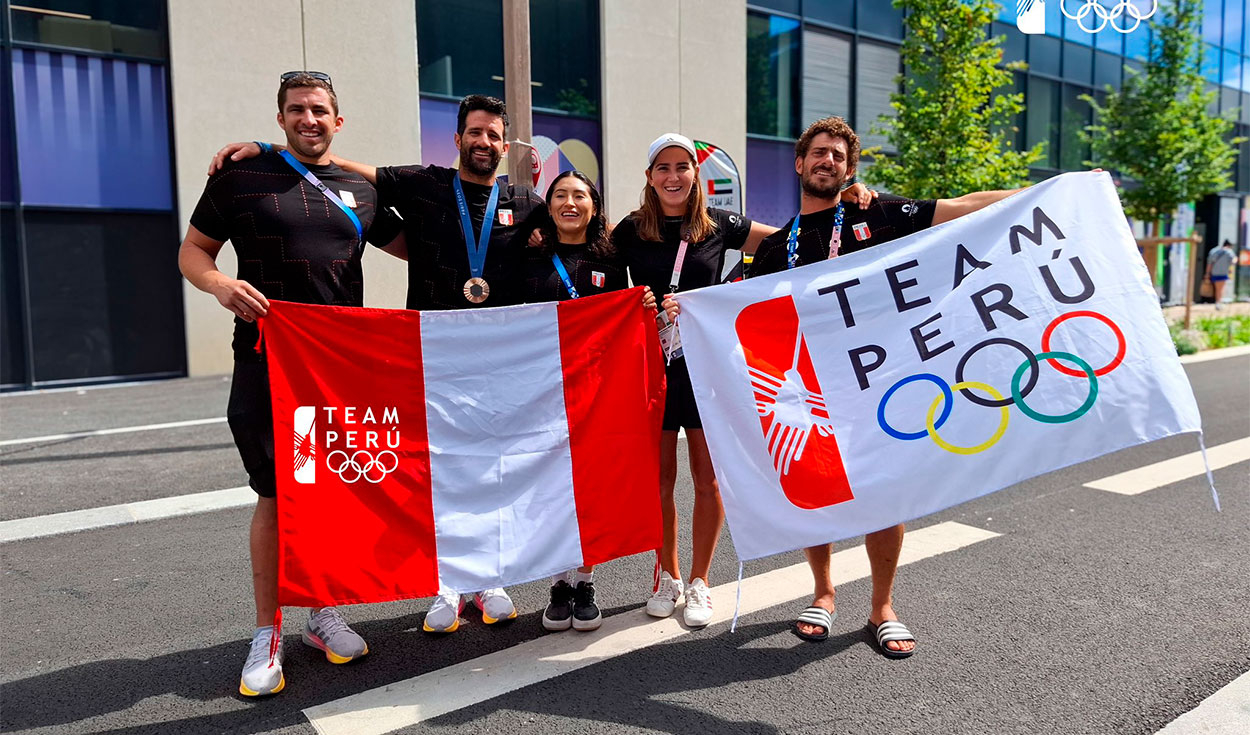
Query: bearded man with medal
465, 242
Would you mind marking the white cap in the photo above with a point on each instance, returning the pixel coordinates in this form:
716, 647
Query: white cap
669, 140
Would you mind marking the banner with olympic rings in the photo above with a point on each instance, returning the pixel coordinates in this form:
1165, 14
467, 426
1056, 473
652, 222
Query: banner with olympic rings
850, 395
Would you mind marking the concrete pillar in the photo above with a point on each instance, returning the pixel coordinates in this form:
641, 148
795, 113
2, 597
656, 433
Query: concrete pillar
669, 66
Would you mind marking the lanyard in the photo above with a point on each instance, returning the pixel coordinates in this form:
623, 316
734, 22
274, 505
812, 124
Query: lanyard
477, 248
564, 275
677, 265
792, 240
302, 170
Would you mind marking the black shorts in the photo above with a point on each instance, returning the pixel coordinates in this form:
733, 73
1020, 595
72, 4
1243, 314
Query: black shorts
679, 406
250, 415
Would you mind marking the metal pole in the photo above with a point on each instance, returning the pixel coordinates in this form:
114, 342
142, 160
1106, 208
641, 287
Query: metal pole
1189, 280
516, 54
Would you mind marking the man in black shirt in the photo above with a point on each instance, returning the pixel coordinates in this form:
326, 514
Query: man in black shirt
824, 157
297, 244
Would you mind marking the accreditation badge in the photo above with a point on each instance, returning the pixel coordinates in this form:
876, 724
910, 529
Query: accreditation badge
348, 198
670, 338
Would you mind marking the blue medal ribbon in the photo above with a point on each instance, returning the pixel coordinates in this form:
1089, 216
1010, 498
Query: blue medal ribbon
564, 275
476, 246
302, 170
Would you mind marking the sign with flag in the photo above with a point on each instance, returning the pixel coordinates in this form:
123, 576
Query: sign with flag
718, 175
886, 384
483, 447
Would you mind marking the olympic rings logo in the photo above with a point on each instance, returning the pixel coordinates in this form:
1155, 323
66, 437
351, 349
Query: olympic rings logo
1020, 387
1122, 8
350, 468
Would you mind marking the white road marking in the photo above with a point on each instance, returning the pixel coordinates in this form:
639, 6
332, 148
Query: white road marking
106, 432
19, 529
1219, 354
1227, 712
461, 685
1137, 481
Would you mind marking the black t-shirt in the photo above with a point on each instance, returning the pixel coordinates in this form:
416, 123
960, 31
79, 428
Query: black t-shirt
591, 274
651, 263
438, 259
292, 242
888, 217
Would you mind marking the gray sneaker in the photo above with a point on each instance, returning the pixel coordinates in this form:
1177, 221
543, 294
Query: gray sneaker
261, 675
328, 631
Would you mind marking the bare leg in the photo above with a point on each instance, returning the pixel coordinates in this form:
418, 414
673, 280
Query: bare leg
883, 549
709, 513
264, 547
818, 558
668, 507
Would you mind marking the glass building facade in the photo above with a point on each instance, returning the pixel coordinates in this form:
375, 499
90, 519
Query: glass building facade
88, 261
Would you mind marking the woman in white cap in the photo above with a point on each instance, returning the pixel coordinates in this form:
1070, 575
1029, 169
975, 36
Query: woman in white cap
672, 242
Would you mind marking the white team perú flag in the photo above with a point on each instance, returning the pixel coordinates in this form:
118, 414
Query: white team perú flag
883, 385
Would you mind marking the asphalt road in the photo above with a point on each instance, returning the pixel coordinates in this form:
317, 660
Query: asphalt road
1092, 612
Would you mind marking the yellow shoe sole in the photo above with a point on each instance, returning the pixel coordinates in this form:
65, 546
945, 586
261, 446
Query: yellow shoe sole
334, 658
249, 693
491, 621
449, 629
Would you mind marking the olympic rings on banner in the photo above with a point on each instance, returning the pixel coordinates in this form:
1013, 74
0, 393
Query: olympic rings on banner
963, 387
1065, 418
351, 469
934, 420
946, 412
1121, 344
963, 362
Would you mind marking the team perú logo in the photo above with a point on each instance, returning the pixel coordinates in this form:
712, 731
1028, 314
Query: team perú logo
796, 425
1091, 16
356, 445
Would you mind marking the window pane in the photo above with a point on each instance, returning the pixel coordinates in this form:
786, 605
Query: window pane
91, 131
1229, 99
1014, 137
1230, 72
1107, 70
1211, 63
7, 163
785, 6
1072, 30
1232, 24
839, 12
1042, 119
456, 57
1044, 55
132, 28
1076, 115
1077, 62
1014, 44
12, 328
1211, 21
881, 18
772, 186
569, 78
875, 72
772, 75
1114, 42
85, 319
1137, 43
826, 76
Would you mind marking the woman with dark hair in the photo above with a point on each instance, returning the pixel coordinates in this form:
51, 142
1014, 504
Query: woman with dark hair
576, 259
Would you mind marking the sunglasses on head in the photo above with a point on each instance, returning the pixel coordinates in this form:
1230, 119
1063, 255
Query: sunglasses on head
314, 74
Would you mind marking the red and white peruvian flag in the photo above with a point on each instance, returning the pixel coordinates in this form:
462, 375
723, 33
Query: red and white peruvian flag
485, 447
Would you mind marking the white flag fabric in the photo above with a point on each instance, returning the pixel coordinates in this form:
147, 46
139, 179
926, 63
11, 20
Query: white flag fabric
850, 395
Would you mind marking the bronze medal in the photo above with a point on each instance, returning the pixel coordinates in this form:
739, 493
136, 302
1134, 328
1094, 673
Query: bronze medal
476, 290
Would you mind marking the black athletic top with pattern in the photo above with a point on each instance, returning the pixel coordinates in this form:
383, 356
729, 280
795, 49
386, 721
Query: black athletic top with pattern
292, 242
438, 261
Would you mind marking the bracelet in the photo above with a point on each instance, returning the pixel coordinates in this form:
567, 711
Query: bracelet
264, 147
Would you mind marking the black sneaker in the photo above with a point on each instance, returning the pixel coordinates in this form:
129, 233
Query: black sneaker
586, 614
559, 613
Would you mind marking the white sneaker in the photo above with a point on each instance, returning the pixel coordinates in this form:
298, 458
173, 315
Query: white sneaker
664, 600
261, 675
328, 631
698, 611
444, 613
495, 605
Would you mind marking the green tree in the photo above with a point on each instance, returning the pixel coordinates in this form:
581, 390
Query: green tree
953, 130
1157, 130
